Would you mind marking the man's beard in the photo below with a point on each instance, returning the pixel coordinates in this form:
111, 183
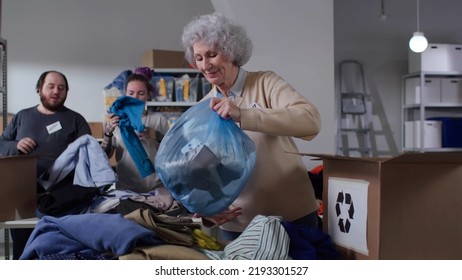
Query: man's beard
52, 107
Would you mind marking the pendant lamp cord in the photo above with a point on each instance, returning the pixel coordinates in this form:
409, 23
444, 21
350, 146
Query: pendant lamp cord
382, 8
418, 16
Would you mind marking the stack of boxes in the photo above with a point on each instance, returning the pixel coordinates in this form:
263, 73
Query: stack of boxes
442, 87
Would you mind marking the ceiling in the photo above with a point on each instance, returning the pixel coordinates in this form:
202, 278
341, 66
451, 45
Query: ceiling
359, 21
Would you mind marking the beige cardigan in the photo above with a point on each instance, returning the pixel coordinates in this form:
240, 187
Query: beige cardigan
272, 112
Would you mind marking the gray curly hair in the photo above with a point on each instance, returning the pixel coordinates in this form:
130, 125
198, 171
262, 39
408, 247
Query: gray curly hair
217, 31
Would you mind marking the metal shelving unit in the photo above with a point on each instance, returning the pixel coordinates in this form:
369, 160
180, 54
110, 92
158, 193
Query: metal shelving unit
177, 73
424, 109
3, 87
173, 109
4, 112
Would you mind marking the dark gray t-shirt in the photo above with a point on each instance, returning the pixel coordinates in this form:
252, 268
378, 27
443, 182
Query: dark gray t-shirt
52, 133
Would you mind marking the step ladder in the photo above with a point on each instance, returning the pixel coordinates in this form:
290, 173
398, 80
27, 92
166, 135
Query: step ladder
354, 118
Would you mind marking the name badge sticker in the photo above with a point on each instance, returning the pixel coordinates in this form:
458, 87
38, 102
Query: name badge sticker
52, 128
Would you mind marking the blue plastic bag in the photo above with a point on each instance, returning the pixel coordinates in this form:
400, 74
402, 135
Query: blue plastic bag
205, 160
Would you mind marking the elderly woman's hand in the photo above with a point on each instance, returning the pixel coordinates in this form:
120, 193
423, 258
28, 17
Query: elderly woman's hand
226, 108
223, 217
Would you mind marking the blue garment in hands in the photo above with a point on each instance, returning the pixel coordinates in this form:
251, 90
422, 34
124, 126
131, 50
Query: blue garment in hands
130, 110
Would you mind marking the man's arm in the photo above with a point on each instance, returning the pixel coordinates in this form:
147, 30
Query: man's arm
82, 127
8, 143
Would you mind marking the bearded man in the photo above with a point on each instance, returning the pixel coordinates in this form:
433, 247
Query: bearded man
45, 129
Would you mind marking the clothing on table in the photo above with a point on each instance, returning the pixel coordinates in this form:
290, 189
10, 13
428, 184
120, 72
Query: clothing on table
264, 239
309, 243
171, 230
164, 252
85, 156
309, 221
127, 171
229, 235
203, 240
268, 237
107, 202
279, 184
123, 202
87, 234
80, 174
52, 133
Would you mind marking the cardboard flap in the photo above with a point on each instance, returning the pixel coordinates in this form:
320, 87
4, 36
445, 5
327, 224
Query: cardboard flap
428, 157
409, 157
339, 157
26, 156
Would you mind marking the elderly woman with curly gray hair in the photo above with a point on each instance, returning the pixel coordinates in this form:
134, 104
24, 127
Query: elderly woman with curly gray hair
270, 111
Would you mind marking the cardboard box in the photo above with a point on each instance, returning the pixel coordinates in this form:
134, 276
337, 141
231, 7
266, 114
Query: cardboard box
164, 59
97, 129
437, 58
18, 187
404, 207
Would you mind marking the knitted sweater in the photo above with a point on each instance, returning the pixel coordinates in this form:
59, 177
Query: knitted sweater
272, 112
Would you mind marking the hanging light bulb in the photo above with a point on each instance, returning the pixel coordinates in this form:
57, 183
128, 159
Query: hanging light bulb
418, 42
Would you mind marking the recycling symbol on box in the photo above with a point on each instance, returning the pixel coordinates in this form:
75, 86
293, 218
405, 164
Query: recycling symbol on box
344, 209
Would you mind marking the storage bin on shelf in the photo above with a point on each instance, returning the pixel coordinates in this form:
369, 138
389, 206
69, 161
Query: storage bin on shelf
437, 58
451, 90
186, 88
451, 131
431, 92
163, 86
432, 134
182, 88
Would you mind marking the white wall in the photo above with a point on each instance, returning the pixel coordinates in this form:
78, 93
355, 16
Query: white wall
93, 41
89, 41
